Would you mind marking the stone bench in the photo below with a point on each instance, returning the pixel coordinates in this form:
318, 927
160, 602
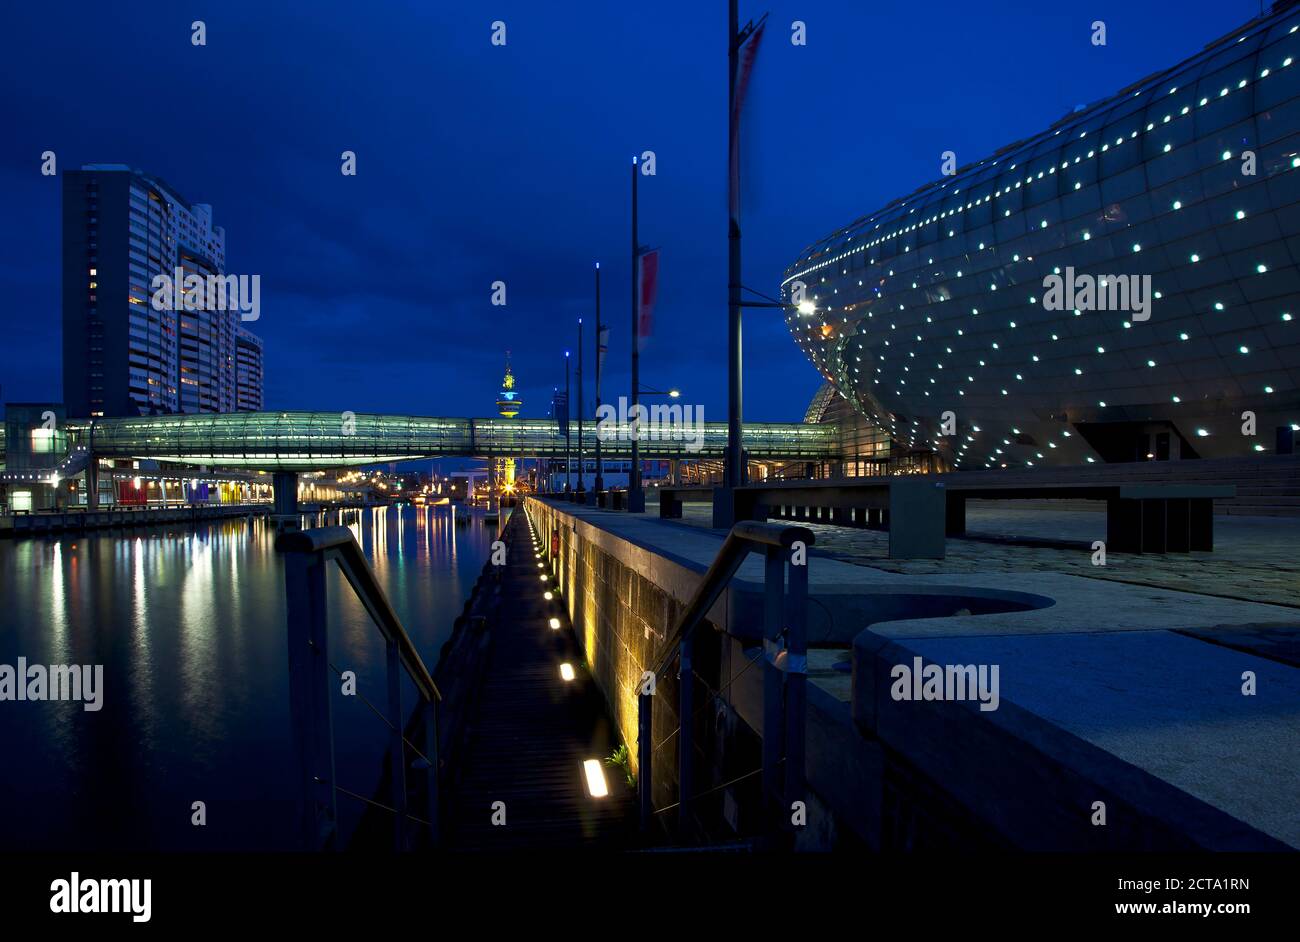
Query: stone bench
671, 498
1140, 518
911, 507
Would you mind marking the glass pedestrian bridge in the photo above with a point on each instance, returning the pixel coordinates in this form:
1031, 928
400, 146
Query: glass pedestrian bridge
304, 441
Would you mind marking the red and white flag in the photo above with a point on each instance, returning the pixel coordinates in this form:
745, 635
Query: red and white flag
647, 292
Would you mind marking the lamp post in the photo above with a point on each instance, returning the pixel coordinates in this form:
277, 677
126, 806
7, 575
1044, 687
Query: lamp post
673, 393
581, 461
635, 493
568, 413
734, 471
670, 393
734, 463
599, 486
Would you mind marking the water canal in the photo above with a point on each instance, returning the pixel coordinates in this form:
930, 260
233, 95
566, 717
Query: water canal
189, 626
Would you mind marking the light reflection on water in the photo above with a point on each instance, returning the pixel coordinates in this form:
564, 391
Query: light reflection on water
190, 628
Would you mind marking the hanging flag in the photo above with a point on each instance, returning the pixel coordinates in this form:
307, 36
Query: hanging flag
744, 69
602, 346
647, 291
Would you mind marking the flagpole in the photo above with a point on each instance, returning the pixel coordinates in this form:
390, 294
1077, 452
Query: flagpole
600, 470
581, 459
734, 469
635, 495
568, 413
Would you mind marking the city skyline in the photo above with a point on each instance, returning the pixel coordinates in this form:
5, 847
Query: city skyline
353, 281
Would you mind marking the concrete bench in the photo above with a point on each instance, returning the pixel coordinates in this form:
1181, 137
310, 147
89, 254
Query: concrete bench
911, 507
1140, 518
671, 498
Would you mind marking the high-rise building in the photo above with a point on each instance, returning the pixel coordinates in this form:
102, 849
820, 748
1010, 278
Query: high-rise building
248, 371
1121, 286
123, 354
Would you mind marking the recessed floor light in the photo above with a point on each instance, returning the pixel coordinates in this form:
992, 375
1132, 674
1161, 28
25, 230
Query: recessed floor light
595, 776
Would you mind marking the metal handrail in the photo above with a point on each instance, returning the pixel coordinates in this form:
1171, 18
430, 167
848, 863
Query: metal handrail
356, 568
307, 553
744, 537
784, 673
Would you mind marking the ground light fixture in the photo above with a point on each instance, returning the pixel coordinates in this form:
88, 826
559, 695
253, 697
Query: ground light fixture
555, 624
543, 577
595, 776
566, 672
548, 595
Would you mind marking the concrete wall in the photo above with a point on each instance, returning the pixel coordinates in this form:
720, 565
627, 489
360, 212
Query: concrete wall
621, 599
887, 775
624, 598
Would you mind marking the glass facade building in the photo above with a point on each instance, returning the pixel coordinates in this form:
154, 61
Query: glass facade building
997, 317
248, 371
122, 355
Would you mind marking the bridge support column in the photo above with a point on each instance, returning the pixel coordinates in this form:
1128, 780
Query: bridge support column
92, 483
284, 486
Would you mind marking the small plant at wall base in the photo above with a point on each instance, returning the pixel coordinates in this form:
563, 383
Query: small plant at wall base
623, 759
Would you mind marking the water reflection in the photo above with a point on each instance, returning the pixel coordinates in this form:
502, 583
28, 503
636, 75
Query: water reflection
190, 628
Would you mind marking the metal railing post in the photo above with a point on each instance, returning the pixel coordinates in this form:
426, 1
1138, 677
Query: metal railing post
773, 617
396, 747
307, 553
796, 684
433, 806
685, 733
309, 696
745, 537
645, 750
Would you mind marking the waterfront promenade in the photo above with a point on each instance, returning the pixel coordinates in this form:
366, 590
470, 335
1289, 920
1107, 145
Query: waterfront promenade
1115, 692
520, 782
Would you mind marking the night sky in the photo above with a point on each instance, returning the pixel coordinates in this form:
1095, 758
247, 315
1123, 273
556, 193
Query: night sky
478, 163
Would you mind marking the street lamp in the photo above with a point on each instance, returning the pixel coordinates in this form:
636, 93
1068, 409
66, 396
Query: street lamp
735, 459
671, 393
568, 414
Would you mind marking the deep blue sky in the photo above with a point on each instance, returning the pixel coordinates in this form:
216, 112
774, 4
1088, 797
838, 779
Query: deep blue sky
478, 163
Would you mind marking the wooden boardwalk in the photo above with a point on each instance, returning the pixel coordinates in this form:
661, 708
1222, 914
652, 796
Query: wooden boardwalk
530, 731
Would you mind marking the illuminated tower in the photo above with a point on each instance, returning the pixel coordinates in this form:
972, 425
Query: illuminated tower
508, 404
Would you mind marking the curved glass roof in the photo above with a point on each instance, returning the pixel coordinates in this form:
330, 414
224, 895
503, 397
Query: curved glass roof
923, 205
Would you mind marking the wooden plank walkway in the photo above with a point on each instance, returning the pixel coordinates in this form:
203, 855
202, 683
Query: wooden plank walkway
530, 731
